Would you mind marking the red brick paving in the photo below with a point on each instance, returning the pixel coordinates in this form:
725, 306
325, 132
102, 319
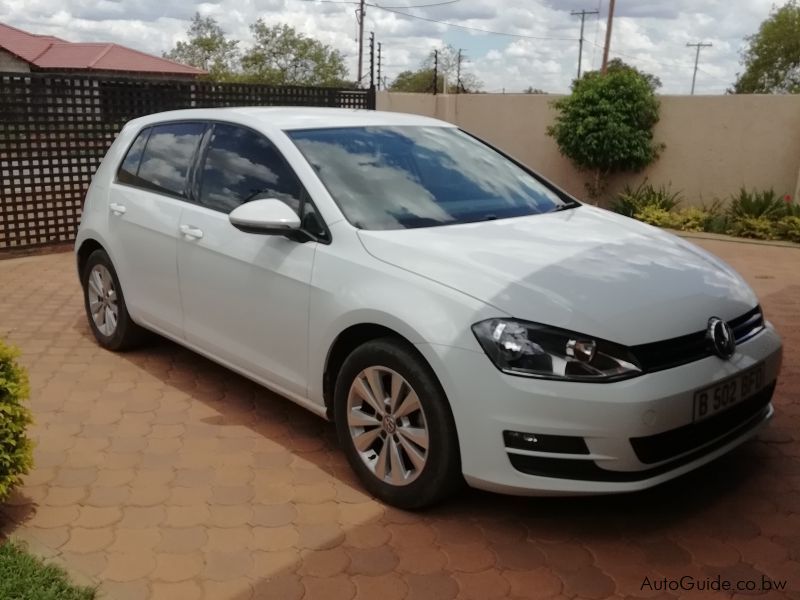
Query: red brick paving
162, 475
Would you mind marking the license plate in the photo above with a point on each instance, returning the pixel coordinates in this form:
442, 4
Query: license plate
724, 394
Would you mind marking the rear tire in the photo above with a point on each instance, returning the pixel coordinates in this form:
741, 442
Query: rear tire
395, 425
104, 302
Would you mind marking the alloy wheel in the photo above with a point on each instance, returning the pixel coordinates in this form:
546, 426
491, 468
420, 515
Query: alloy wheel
103, 300
387, 425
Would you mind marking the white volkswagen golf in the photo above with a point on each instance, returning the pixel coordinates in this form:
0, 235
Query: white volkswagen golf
456, 315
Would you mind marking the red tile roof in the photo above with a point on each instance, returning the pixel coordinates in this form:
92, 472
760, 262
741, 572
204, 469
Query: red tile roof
48, 52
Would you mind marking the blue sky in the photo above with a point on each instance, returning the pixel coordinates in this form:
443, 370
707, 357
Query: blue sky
651, 34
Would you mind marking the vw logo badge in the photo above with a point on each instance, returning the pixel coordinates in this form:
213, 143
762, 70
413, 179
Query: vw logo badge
720, 334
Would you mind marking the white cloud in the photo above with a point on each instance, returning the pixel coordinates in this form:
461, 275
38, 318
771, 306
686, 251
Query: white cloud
651, 34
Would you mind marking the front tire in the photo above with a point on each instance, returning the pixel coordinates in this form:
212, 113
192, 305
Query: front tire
106, 311
395, 425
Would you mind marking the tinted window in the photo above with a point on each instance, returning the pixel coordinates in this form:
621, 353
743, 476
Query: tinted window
168, 155
241, 165
404, 177
130, 166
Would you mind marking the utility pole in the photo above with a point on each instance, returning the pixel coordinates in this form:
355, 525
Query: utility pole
458, 73
379, 64
435, 71
582, 14
607, 46
698, 45
360, 18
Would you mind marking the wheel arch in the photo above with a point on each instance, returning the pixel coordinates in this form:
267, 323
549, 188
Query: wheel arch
351, 338
85, 250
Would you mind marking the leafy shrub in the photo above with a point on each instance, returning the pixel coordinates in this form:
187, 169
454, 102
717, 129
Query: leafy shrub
759, 228
719, 223
16, 450
693, 218
633, 200
791, 209
788, 229
754, 205
655, 215
717, 220
752, 214
606, 124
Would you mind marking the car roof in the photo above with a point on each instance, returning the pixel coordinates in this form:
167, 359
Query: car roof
288, 118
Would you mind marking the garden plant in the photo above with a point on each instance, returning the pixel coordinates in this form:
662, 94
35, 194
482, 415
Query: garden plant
763, 215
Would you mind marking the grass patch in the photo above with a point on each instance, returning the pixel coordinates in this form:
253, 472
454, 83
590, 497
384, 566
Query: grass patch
25, 577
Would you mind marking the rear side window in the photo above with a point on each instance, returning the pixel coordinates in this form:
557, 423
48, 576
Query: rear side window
130, 166
164, 162
240, 165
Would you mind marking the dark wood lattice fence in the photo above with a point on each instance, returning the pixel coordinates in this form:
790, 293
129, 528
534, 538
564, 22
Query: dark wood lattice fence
55, 130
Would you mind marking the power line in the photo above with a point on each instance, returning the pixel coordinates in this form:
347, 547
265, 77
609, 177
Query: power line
396, 6
582, 14
658, 63
697, 45
594, 43
516, 35
596, 30
447, 23
712, 76
632, 57
420, 5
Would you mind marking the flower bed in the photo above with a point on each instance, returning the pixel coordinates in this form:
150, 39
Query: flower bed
762, 215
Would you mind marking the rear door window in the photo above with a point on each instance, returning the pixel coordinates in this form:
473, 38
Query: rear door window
165, 160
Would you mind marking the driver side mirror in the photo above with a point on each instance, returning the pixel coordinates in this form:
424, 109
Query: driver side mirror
269, 216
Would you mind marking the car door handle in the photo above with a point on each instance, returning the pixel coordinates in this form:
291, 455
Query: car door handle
117, 209
191, 231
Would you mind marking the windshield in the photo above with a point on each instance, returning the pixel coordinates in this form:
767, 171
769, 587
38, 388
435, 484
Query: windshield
407, 177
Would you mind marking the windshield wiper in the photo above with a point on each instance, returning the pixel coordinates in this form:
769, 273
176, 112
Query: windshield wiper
572, 204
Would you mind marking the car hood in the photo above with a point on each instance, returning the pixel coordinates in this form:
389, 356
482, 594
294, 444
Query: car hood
584, 269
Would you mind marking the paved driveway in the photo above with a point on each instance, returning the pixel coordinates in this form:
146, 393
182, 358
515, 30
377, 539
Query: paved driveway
162, 475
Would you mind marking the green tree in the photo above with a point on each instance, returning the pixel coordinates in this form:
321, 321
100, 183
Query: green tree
283, 56
532, 90
606, 124
207, 48
772, 57
421, 80
448, 67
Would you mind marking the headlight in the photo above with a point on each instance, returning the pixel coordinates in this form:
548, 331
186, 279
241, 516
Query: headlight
533, 350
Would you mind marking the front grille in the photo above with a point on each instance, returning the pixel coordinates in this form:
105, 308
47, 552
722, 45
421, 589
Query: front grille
682, 350
663, 446
749, 324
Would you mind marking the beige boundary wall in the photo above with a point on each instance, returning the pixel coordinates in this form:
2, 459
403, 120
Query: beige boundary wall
714, 144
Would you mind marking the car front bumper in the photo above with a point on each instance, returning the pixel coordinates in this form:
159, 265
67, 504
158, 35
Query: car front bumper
598, 437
